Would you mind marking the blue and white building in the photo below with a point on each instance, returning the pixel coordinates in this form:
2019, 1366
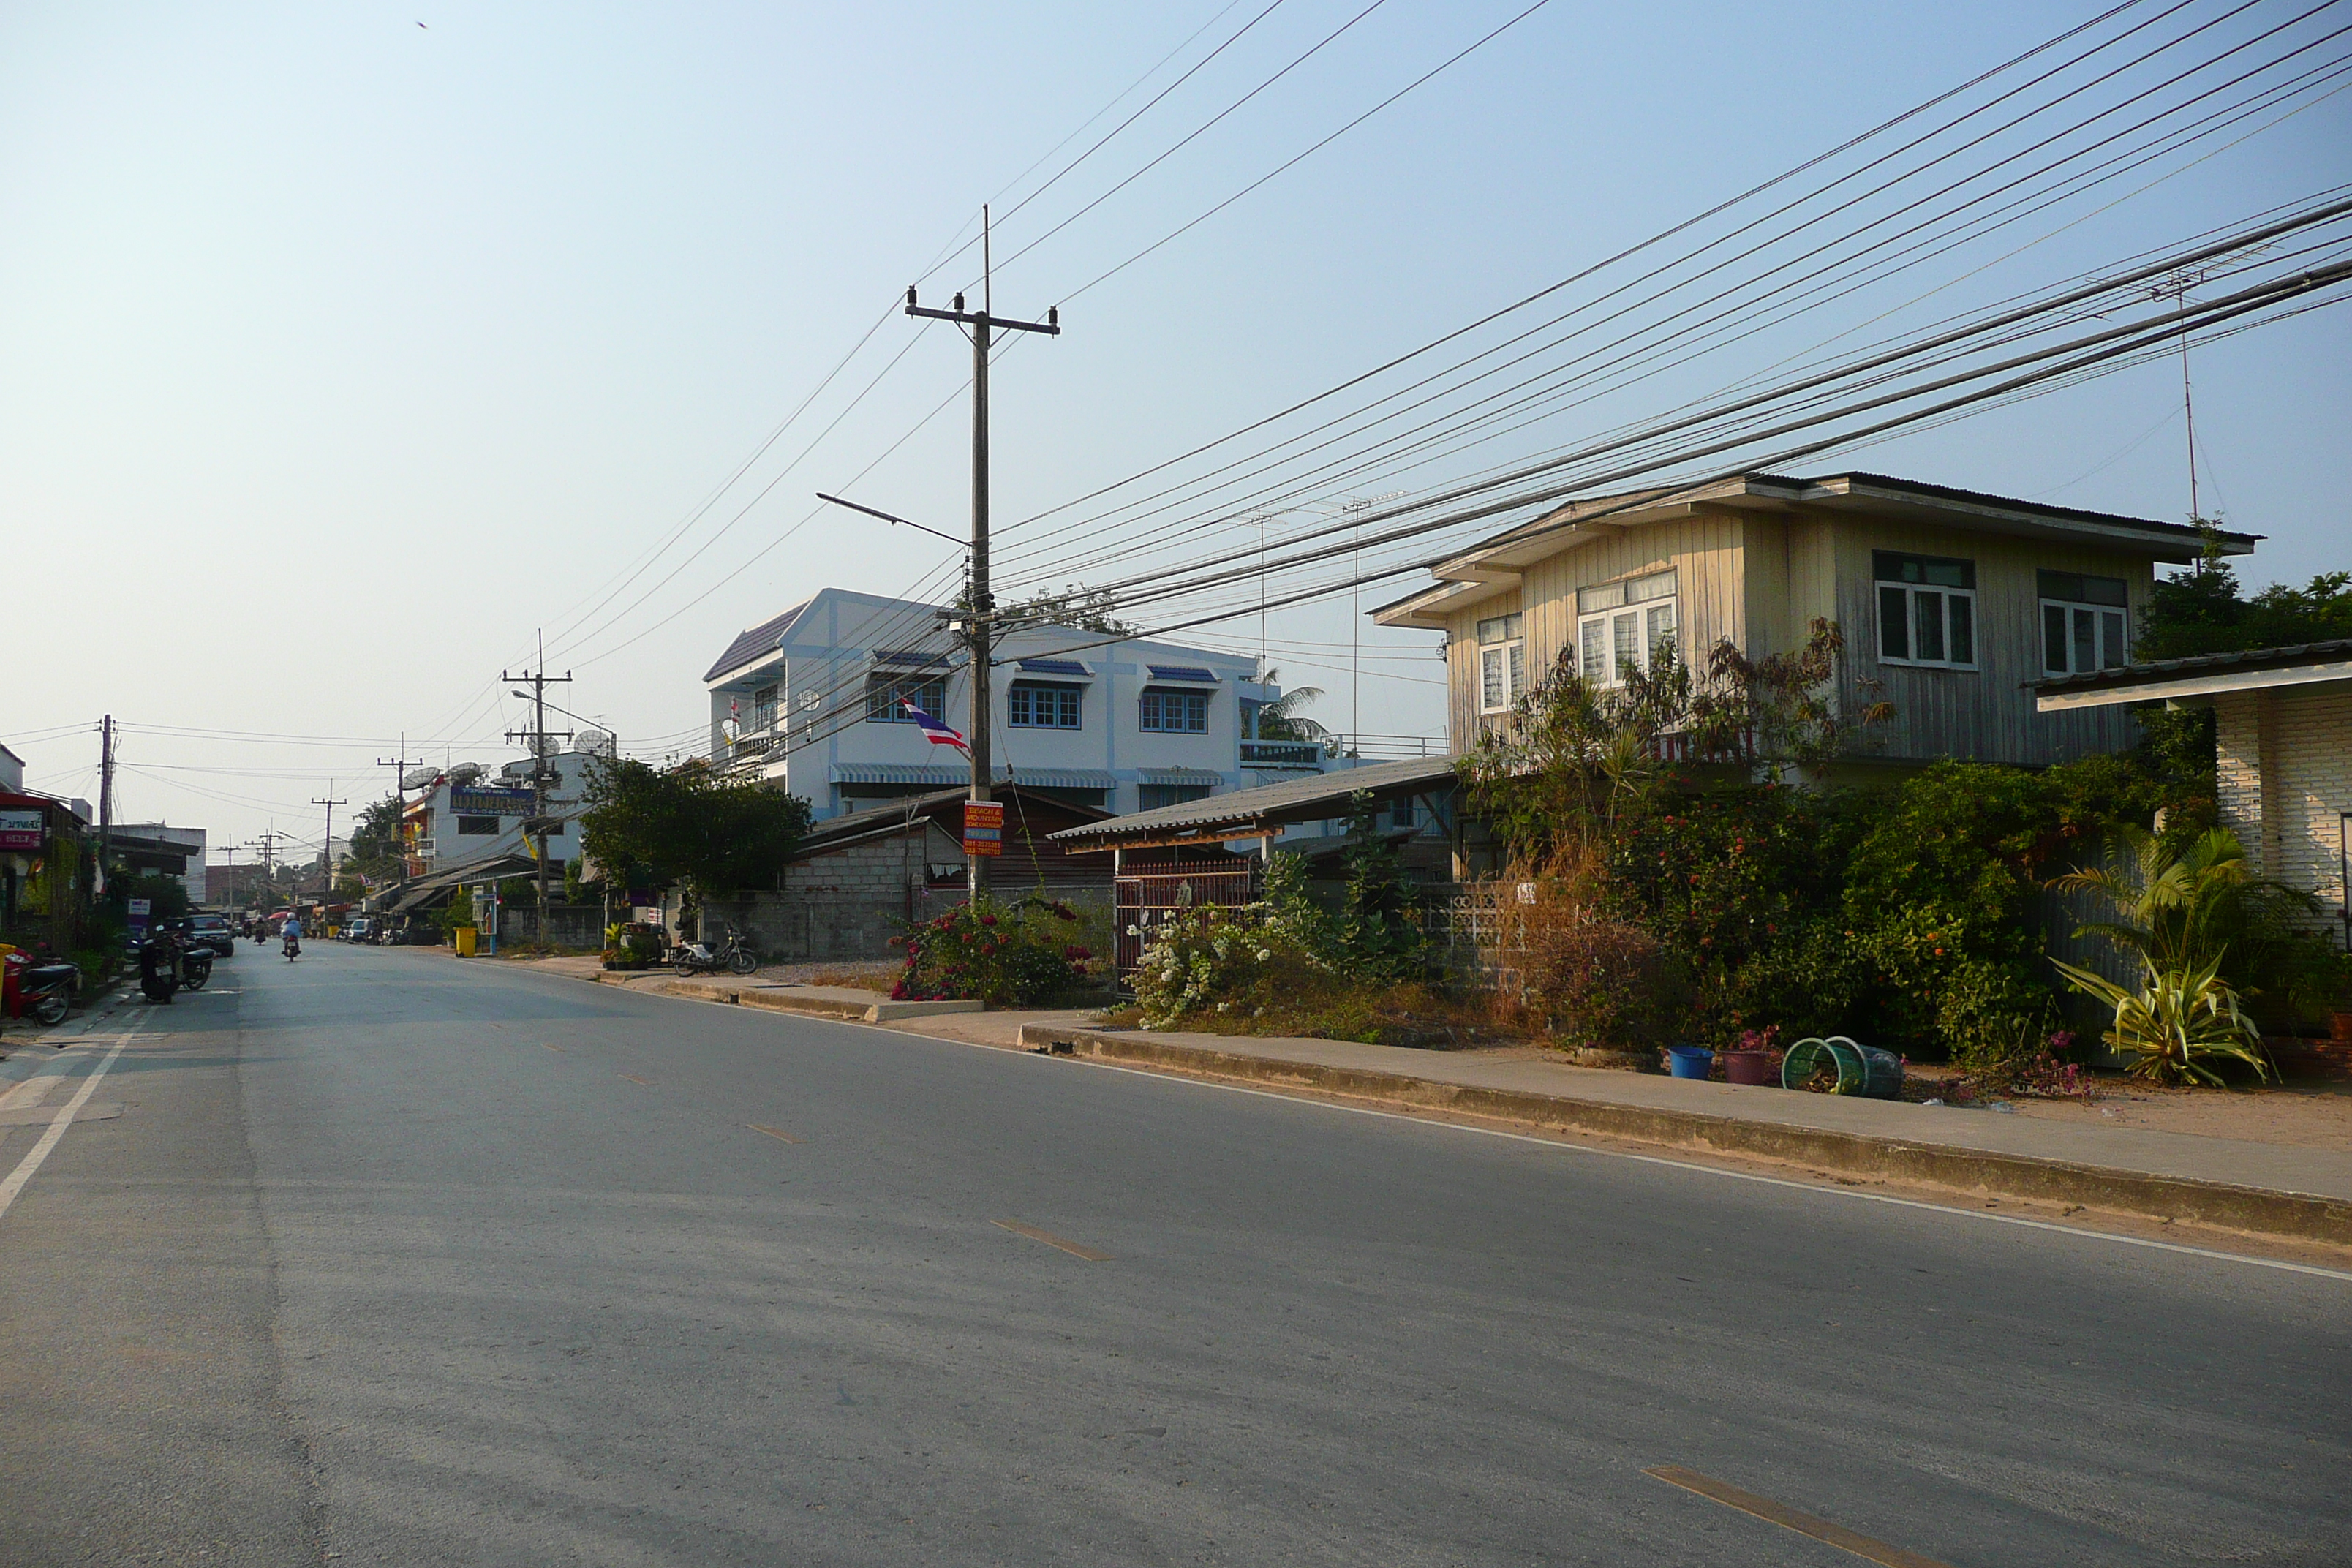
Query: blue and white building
810, 702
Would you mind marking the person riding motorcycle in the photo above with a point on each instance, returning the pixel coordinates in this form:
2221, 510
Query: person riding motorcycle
293, 937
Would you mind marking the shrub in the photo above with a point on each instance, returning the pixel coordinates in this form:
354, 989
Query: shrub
2182, 1025
1598, 983
1006, 954
1208, 958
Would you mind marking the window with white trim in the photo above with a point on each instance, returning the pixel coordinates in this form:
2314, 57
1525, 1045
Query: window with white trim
2085, 623
1629, 622
763, 707
1502, 662
1927, 609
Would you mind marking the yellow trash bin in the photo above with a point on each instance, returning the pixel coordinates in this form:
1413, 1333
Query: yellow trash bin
465, 935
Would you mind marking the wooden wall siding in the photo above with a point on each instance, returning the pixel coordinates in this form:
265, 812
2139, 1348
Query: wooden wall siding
1710, 599
1986, 714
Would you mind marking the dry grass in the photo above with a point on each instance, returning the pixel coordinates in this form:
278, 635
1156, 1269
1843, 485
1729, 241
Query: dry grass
878, 978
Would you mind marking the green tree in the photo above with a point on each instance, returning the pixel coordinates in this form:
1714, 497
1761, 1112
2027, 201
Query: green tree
1076, 606
688, 827
374, 850
2205, 610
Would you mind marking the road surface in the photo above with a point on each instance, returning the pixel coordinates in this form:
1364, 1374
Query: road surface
390, 1258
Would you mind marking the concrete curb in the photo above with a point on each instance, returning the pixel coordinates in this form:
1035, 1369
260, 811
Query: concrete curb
2300, 1215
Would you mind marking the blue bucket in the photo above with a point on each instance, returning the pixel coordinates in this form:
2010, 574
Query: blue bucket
1689, 1061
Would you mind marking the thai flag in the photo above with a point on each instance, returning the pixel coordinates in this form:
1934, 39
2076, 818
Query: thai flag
941, 734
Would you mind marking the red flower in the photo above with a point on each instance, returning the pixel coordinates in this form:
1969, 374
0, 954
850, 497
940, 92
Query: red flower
988, 919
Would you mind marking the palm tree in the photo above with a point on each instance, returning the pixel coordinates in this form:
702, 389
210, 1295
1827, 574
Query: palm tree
2178, 908
1281, 719
2174, 902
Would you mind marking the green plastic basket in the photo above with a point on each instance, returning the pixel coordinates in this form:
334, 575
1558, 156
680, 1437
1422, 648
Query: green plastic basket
1863, 1070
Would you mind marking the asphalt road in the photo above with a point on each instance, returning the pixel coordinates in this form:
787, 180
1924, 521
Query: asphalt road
393, 1259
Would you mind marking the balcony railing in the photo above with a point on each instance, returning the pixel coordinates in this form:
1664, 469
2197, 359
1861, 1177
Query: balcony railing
1281, 754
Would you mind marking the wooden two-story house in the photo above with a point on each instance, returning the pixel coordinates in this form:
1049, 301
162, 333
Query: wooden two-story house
1951, 602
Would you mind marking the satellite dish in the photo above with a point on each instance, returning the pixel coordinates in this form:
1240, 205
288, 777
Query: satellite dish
728, 728
418, 778
465, 773
594, 742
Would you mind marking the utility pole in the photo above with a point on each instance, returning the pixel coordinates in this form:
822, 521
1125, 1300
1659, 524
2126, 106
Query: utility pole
267, 843
981, 611
540, 774
2178, 286
231, 869
326, 850
400, 766
105, 800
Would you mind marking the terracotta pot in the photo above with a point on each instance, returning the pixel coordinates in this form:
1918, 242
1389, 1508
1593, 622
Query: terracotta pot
1749, 1067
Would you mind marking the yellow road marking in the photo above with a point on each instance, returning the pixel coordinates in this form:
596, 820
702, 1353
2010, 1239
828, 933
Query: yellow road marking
1790, 1518
635, 1078
1050, 1239
771, 1133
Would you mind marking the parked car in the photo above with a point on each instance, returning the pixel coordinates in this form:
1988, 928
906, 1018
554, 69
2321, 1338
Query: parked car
209, 933
360, 929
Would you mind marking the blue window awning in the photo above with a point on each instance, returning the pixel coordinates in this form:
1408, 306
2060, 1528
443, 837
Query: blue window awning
1181, 672
1052, 667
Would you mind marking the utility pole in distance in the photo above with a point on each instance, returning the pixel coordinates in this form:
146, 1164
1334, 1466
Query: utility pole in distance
980, 617
327, 851
105, 800
540, 774
400, 766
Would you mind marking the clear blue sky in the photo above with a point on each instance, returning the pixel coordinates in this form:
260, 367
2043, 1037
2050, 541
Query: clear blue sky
338, 353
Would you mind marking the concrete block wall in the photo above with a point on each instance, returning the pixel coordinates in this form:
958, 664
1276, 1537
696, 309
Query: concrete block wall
2284, 776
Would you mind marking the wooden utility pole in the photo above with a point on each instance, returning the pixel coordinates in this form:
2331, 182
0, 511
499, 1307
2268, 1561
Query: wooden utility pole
540, 774
980, 606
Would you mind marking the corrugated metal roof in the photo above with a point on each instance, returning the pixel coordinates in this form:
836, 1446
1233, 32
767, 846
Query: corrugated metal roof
948, 777
2161, 669
1294, 800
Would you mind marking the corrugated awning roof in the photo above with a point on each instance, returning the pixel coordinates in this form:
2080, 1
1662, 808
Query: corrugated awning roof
2198, 675
1245, 814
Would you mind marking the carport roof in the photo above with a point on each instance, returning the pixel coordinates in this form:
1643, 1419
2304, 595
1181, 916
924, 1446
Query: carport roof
1250, 812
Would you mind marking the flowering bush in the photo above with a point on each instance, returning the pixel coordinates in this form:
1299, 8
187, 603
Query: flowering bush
1207, 958
1004, 954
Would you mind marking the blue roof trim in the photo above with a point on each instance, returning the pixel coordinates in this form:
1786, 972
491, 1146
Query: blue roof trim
1052, 667
1181, 672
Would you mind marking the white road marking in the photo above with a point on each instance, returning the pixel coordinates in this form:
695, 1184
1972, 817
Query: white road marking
13, 1183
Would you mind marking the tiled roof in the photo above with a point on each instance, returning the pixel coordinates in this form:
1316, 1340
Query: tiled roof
763, 638
1293, 800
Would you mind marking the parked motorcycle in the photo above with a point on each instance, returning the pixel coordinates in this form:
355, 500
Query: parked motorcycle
43, 987
195, 966
159, 969
696, 958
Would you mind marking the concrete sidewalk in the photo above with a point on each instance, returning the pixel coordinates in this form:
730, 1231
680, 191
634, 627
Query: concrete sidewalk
852, 1003
2268, 1187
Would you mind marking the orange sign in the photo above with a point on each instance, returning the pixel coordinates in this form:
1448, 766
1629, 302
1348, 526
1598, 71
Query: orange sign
983, 827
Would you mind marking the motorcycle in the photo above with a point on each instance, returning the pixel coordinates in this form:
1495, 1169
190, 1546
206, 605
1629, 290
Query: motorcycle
689, 958
293, 947
159, 970
44, 989
195, 967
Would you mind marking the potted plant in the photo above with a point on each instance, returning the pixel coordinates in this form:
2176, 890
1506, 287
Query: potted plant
1751, 1058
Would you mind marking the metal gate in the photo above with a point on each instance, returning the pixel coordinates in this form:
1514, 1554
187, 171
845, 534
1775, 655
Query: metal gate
1146, 900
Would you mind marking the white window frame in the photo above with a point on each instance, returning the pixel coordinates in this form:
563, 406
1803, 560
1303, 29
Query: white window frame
2108, 625
1918, 597
1502, 662
1629, 621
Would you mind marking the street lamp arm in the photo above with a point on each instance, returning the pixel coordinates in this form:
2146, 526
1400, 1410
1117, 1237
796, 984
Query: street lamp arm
886, 517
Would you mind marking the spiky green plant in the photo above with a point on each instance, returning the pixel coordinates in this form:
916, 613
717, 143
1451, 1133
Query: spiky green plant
2183, 1019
